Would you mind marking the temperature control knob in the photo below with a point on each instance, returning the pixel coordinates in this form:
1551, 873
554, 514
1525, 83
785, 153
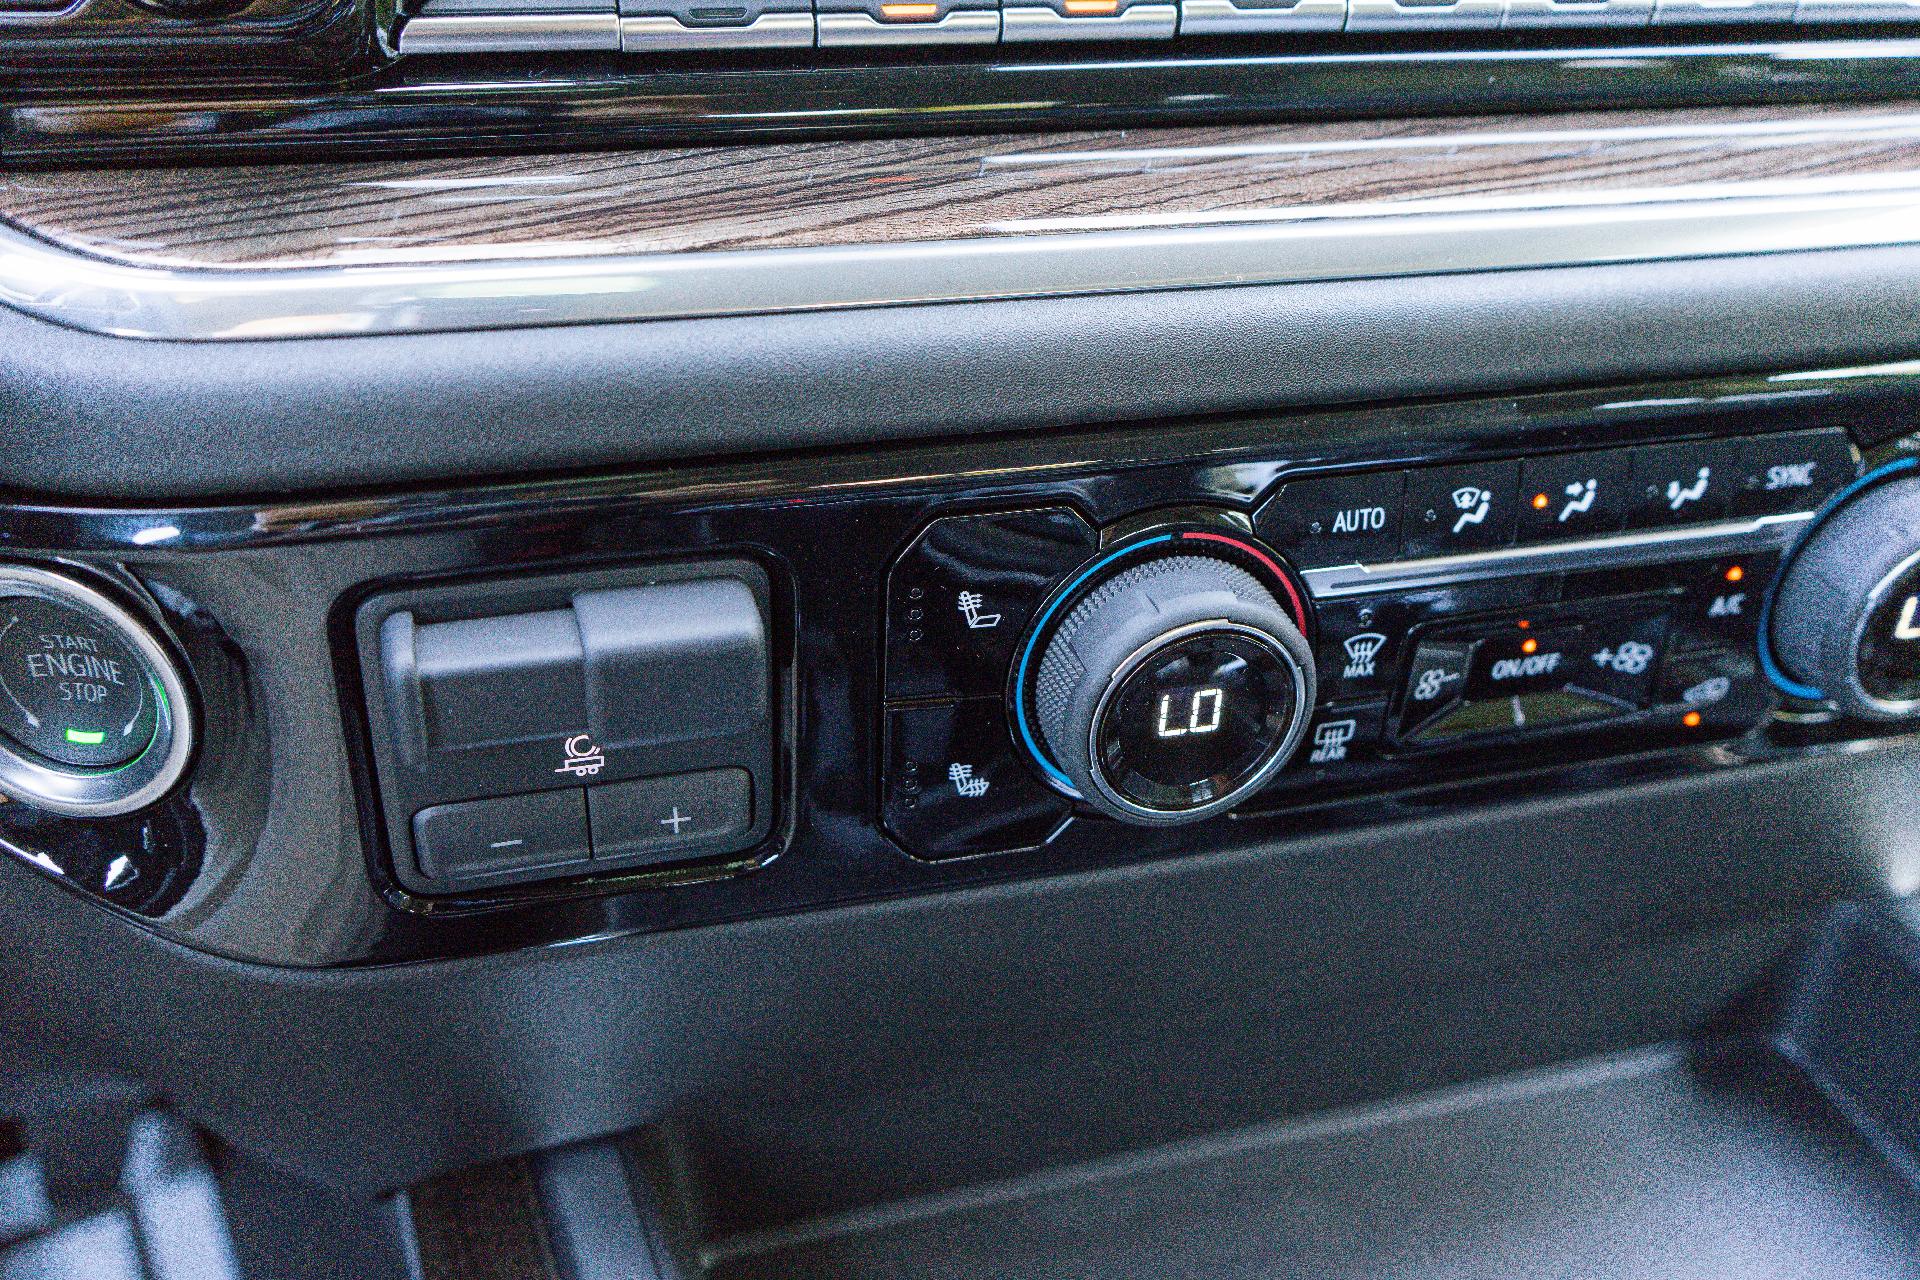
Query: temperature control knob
1173, 689
1845, 621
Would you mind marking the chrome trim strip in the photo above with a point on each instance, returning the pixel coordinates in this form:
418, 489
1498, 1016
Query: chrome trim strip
960, 26
643, 32
1654, 546
1224, 17
1674, 13
1563, 14
1021, 23
1811, 12
1078, 256
510, 33
1459, 15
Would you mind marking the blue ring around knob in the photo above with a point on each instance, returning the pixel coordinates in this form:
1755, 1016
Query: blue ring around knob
1768, 664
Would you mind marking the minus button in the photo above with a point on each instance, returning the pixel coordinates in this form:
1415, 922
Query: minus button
507, 838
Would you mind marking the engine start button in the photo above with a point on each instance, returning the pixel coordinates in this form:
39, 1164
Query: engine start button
72, 690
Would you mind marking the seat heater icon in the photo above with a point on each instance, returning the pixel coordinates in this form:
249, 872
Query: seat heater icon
970, 603
970, 787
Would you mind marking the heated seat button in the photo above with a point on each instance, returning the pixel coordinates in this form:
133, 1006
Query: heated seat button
907, 22
1684, 483
1573, 495
962, 594
688, 815
671, 25
1454, 509
955, 785
1794, 472
1336, 520
508, 838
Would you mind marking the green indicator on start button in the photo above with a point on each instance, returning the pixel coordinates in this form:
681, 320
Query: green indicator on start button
86, 737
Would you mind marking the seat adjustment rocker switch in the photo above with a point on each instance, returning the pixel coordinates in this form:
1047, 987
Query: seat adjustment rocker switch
657, 687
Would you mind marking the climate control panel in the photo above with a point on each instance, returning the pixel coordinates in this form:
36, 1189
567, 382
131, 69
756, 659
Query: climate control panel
1367, 629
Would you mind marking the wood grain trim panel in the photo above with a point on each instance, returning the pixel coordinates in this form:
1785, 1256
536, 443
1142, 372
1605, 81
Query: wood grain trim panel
925, 189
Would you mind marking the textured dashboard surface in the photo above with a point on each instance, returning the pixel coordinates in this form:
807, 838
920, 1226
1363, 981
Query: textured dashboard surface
914, 189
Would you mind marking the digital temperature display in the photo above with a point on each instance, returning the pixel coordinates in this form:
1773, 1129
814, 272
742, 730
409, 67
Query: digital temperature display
1201, 714
1196, 719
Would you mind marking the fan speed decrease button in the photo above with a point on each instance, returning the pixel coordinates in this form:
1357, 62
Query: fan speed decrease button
71, 689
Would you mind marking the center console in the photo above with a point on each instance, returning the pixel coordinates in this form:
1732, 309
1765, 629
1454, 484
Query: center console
546, 711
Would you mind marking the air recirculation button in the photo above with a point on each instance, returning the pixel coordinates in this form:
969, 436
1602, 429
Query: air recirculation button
93, 716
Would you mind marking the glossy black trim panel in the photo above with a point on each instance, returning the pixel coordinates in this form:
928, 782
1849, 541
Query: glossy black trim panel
269, 591
586, 102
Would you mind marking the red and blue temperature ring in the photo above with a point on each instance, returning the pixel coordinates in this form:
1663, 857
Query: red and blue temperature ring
1272, 566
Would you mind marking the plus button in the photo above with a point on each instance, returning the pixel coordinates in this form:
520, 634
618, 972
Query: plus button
677, 821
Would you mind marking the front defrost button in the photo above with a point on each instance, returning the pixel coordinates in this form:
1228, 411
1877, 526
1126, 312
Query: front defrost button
1454, 509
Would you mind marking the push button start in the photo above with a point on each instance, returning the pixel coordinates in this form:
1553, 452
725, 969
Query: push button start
71, 689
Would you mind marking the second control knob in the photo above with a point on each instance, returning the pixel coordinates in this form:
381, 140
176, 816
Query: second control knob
1845, 619
1174, 689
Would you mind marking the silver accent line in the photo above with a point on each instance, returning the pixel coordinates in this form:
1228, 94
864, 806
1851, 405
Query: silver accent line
1561, 14
1290, 245
1811, 12
1653, 546
1674, 13
960, 26
1021, 23
1459, 15
664, 32
1224, 17
511, 33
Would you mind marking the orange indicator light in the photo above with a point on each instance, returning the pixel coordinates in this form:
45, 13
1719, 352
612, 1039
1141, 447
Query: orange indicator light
909, 12
1085, 7
1735, 573
1529, 645
1691, 720
1524, 623
1541, 502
